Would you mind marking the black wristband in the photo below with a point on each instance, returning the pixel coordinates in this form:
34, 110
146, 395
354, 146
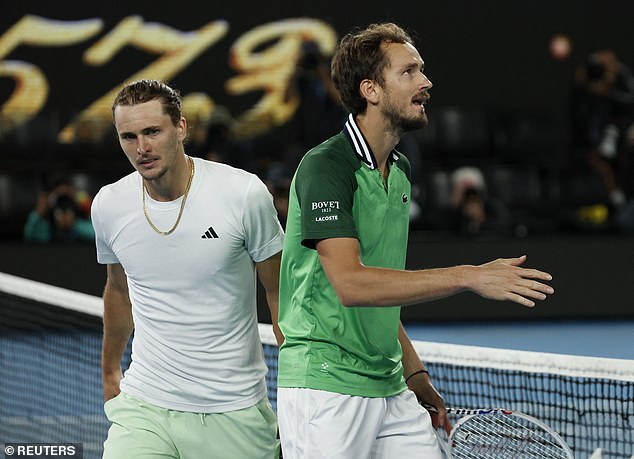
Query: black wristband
415, 373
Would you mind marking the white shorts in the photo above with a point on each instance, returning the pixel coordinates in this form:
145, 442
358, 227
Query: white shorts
318, 424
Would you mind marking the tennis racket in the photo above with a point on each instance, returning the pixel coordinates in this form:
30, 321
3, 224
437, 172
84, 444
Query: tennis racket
498, 433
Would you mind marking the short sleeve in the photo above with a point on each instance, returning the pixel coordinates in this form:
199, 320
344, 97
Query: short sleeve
264, 236
325, 192
105, 255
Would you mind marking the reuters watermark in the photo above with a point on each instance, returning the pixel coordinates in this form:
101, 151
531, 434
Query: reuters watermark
44, 450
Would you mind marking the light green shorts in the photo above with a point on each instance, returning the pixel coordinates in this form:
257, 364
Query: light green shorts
142, 430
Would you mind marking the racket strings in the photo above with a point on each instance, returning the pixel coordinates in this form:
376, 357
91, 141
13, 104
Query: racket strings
504, 436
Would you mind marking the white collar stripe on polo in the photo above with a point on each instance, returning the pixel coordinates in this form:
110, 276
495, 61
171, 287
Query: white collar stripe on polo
359, 142
361, 146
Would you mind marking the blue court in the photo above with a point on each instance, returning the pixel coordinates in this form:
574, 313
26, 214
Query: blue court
600, 338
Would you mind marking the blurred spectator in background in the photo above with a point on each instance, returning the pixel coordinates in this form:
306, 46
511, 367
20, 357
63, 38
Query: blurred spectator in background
625, 218
603, 120
278, 180
219, 144
473, 211
320, 113
60, 215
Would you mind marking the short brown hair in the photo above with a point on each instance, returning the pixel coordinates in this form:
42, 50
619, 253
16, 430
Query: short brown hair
360, 56
142, 91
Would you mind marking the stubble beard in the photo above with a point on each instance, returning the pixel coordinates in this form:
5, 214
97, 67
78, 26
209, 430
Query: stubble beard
402, 124
151, 175
155, 175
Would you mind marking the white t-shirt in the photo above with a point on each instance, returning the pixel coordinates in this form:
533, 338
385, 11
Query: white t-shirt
196, 345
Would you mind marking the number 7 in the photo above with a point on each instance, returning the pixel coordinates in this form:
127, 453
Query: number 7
178, 49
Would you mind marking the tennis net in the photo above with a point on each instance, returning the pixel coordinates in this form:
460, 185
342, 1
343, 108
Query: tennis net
51, 391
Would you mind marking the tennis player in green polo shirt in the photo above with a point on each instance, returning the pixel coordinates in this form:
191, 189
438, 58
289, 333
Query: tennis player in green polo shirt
346, 363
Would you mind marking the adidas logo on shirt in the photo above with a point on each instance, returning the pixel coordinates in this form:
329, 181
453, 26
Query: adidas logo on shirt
210, 234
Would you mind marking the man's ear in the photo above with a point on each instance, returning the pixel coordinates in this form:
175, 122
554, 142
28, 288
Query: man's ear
182, 128
370, 90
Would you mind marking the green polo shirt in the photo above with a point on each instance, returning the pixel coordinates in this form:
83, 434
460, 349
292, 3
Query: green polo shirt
338, 191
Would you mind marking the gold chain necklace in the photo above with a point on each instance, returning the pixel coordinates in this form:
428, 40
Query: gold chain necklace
180, 212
